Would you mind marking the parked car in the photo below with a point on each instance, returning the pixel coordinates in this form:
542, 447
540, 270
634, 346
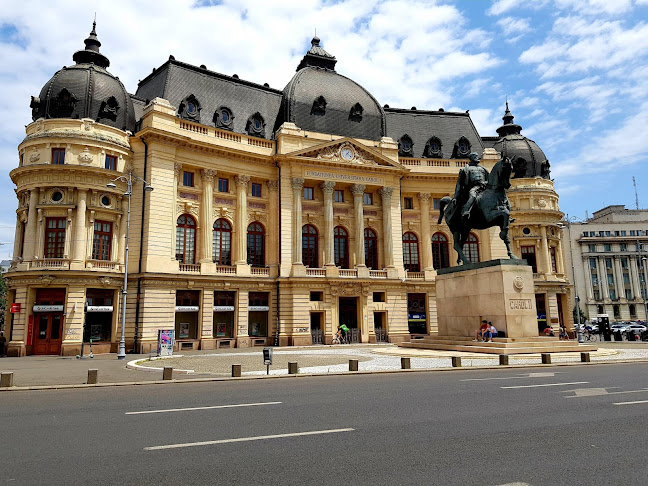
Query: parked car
619, 326
637, 327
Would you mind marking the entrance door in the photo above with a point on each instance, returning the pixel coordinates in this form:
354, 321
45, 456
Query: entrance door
48, 335
316, 328
349, 315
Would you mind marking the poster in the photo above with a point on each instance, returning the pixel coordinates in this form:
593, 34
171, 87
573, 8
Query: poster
165, 342
221, 329
184, 330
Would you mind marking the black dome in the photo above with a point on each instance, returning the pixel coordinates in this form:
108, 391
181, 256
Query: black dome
86, 90
528, 158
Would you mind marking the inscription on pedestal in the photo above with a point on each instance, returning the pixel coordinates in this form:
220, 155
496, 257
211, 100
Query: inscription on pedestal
520, 304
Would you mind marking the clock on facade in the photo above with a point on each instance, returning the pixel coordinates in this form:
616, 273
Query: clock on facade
346, 153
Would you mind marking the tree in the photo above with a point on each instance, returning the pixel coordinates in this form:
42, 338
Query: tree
583, 317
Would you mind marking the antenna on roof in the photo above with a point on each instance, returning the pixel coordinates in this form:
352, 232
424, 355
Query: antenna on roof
315, 31
95, 19
634, 183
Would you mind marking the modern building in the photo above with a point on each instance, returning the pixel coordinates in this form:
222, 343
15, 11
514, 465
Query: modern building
276, 215
610, 251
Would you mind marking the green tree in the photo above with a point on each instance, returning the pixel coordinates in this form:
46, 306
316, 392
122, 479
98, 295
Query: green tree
583, 317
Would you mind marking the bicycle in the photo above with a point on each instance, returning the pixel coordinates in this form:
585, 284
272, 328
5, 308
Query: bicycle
587, 336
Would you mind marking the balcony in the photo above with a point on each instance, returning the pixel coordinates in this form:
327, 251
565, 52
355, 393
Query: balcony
316, 272
51, 264
416, 275
103, 265
260, 271
226, 269
189, 268
377, 273
345, 272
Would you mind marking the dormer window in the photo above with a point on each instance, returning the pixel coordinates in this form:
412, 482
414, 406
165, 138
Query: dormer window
190, 109
405, 146
461, 149
108, 109
223, 118
433, 148
356, 113
319, 106
256, 126
63, 105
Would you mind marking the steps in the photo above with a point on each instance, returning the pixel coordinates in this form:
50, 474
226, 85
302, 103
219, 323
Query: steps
527, 345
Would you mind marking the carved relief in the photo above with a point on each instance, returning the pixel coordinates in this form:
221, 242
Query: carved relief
386, 192
223, 212
272, 185
46, 279
208, 174
297, 183
105, 281
344, 152
88, 125
241, 180
327, 187
85, 157
258, 216
35, 155
358, 189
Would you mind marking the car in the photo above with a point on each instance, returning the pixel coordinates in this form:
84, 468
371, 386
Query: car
637, 327
619, 326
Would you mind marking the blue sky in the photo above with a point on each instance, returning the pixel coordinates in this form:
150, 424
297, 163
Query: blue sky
575, 71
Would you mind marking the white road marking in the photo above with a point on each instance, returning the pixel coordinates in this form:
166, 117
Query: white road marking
542, 375
526, 375
630, 403
546, 384
584, 392
203, 408
246, 439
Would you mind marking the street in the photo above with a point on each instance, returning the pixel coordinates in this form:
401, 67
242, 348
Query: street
539, 426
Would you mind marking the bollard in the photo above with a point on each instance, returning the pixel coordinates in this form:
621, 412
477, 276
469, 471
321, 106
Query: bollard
353, 365
405, 364
585, 358
93, 376
504, 359
6, 380
456, 361
236, 371
546, 358
167, 373
292, 367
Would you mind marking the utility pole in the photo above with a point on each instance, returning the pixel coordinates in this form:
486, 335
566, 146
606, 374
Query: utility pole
634, 183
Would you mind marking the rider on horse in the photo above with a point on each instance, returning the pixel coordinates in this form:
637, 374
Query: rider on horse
472, 181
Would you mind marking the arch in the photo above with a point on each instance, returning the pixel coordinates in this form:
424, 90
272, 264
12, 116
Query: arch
256, 244
433, 148
405, 146
471, 248
371, 248
319, 106
599, 309
410, 252
186, 239
341, 247
440, 255
222, 242
309, 246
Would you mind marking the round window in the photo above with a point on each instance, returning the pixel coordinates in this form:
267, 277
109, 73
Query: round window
526, 231
406, 145
257, 124
191, 108
105, 200
434, 147
57, 196
224, 116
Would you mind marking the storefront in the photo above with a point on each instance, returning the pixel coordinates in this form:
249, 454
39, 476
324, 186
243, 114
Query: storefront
98, 325
45, 330
258, 309
187, 311
224, 317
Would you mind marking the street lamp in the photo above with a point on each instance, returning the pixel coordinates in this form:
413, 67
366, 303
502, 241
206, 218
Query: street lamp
128, 179
642, 277
567, 223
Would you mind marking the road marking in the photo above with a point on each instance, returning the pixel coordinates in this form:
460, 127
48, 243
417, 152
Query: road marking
630, 403
246, 439
203, 408
546, 384
583, 392
526, 375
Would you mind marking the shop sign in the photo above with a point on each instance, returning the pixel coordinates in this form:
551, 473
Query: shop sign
165, 342
223, 308
99, 308
48, 308
15, 308
187, 308
256, 308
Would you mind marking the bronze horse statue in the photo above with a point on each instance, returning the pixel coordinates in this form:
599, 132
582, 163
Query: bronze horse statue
491, 208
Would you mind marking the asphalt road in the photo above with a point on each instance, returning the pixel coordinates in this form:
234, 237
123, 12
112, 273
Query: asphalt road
541, 426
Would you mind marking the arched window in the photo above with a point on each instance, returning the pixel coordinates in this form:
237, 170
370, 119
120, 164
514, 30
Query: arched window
599, 309
309, 246
186, 239
410, 253
341, 247
256, 245
222, 242
440, 257
471, 248
371, 248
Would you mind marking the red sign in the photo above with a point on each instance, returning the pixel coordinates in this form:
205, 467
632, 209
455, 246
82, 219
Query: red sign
15, 308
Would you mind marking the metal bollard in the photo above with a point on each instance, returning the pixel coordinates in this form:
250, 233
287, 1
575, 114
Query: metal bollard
585, 358
504, 359
353, 365
546, 358
236, 371
405, 363
6, 379
292, 367
167, 373
93, 376
456, 361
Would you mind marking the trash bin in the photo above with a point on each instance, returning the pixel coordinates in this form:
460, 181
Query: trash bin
617, 336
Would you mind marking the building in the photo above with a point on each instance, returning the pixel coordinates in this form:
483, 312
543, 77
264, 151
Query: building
275, 216
609, 256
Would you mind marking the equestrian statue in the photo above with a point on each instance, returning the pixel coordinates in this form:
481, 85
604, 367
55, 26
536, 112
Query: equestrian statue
479, 202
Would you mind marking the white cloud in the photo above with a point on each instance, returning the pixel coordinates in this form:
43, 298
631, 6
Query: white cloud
486, 121
596, 7
513, 26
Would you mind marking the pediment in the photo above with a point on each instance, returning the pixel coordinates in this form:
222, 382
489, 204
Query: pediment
346, 151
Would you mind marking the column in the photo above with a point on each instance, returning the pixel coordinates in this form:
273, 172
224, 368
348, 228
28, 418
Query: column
115, 255
241, 217
18, 236
388, 237
79, 243
29, 248
544, 248
297, 184
587, 277
206, 214
618, 277
358, 192
635, 283
177, 169
67, 253
327, 189
273, 222
602, 273
560, 257
426, 237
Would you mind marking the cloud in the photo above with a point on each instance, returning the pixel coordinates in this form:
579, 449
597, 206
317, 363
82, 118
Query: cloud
514, 26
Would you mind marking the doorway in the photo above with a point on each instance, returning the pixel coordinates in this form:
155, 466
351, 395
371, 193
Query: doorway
348, 312
48, 337
379, 327
317, 334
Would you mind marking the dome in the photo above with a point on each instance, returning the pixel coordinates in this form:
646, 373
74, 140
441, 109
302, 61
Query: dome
86, 90
319, 99
528, 158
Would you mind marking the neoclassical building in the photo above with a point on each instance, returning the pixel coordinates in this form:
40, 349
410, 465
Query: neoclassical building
275, 215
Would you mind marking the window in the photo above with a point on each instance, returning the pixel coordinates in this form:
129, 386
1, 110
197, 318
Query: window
188, 179
616, 233
632, 233
613, 296
600, 233
585, 233
223, 118
316, 296
616, 310
624, 262
308, 193
416, 315
256, 245
623, 247
186, 239
111, 162
610, 279
440, 256
435, 203
98, 325
595, 281
101, 240
367, 199
371, 248
256, 189
58, 156
552, 254
607, 233
309, 246
592, 263
341, 247
592, 233
379, 296
528, 253
633, 310
405, 146
222, 242
338, 195
258, 318
597, 296
591, 248
626, 278
607, 247
608, 263
223, 185
55, 237
623, 232
410, 252
471, 249
408, 203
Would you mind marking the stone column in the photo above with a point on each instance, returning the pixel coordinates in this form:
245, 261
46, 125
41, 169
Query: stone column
544, 248
358, 192
329, 255
177, 169
587, 277
602, 273
241, 217
297, 184
206, 214
426, 237
18, 236
618, 277
273, 223
29, 248
388, 241
560, 257
79, 243
635, 283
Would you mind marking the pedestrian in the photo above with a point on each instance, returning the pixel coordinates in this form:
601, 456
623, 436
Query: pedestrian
492, 331
479, 333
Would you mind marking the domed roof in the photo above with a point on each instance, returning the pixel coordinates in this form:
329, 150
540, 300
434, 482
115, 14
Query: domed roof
528, 158
319, 99
86, 90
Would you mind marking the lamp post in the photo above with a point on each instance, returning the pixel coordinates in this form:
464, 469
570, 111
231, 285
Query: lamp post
567, 223
642, 277
128, 179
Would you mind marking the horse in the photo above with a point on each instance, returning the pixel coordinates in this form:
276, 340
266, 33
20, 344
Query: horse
491, 208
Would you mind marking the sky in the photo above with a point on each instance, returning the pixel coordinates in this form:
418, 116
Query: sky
574, 71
